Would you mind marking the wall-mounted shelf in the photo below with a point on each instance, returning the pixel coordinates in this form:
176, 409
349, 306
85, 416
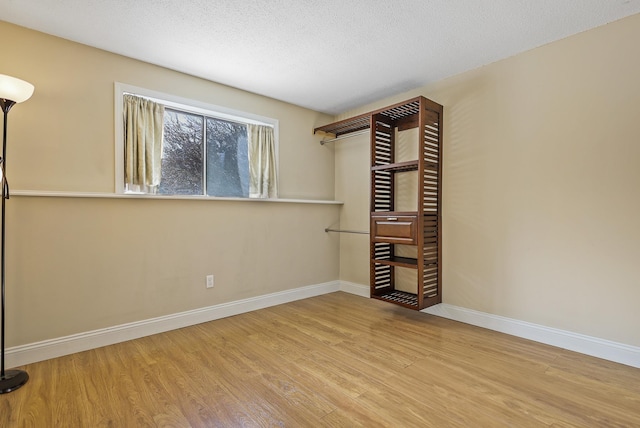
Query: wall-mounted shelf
404, 114
406, 262
397, 167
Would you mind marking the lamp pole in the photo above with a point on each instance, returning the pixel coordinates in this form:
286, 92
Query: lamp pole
12, 91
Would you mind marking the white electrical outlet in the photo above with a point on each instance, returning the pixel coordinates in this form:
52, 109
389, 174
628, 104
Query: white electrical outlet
209, 281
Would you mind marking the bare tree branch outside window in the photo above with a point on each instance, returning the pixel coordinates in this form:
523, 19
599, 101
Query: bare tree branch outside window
182, 165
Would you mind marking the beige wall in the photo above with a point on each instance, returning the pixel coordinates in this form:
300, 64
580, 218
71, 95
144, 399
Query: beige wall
541, 185
78, 264
352, 187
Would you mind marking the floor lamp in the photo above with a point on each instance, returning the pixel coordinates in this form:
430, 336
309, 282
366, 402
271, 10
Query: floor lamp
12, 91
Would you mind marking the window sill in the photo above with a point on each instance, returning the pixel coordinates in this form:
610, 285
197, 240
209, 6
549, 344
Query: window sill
55, 194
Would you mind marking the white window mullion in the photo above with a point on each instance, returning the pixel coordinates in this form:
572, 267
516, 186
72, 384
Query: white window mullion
204, 156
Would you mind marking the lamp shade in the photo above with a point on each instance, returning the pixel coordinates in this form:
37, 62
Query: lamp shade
14, 89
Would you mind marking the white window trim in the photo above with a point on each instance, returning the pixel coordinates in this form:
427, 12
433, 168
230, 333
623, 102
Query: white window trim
180, 103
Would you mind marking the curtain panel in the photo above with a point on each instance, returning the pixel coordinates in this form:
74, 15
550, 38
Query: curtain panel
143, 127
263, 180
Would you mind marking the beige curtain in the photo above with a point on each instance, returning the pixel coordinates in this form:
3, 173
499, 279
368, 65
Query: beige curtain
143, 125
262, 162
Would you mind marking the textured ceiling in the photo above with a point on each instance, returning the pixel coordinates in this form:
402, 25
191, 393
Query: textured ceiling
327, 55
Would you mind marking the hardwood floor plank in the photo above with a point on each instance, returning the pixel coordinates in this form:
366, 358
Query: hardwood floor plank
335, 360
529, 392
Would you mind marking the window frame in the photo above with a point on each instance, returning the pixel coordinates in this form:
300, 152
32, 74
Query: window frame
187, 105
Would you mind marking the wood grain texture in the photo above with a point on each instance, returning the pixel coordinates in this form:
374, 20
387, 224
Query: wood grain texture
336, 360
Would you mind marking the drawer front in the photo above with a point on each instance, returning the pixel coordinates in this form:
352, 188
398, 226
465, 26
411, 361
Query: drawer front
399, 229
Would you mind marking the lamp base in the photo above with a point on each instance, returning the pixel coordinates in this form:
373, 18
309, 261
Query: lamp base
12, 380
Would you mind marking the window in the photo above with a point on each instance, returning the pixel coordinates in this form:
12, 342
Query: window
204, 156
205, 150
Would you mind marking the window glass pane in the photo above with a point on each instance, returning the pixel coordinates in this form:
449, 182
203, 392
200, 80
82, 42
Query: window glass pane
227, 159
182, 154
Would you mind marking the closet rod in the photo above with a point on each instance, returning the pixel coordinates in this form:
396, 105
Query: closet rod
346, 231
343, 136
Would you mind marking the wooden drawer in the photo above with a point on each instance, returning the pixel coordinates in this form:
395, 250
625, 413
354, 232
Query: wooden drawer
394, 228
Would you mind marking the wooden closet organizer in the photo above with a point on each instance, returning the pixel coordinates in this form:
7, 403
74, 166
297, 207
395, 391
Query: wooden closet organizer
389, 228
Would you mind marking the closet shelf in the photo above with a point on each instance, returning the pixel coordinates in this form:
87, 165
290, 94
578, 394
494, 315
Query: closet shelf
398, 297
397, 167
402, 114
406, 262
347, 126
405, 166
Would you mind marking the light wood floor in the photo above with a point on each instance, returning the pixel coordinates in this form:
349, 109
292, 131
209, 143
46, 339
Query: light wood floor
331, 361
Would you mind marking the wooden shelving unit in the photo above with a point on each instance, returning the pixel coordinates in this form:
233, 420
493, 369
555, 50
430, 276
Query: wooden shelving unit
421, 228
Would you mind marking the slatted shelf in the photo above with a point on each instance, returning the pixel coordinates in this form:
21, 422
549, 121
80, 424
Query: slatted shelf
361, 122
347, 126
398, 297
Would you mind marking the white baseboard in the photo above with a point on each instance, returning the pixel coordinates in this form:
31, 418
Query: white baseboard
40, 351
353, 288
601, 348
